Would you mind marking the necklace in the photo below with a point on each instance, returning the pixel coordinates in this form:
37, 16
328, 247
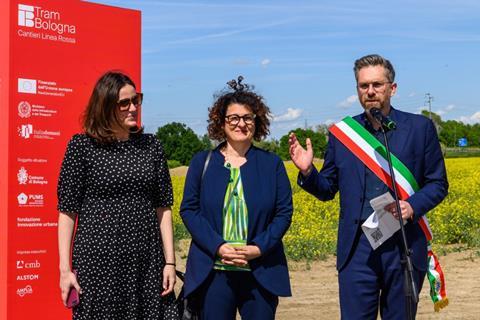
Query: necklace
233, 160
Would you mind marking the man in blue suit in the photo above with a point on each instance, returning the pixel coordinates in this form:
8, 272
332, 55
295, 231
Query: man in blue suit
373, 280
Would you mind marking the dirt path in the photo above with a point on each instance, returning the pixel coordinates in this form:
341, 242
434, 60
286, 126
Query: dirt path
315, 289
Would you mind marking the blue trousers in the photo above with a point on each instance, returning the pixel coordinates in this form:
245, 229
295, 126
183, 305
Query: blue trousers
374, 279
226, 291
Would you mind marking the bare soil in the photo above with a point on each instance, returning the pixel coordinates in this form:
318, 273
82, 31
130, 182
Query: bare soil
315, 288
179, 171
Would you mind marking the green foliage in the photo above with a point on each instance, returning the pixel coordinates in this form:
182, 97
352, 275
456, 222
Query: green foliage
179, 142
207, 143
173, 164
271, 145
319, 142
450, 131
462, 152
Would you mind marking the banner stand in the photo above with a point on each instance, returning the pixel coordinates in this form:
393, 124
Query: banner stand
51, 54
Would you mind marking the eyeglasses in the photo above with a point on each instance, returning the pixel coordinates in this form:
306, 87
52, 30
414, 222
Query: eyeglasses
234, 119
137, 100
377, 86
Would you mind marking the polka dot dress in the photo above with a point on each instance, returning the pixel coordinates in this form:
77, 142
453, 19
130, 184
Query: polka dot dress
114, 188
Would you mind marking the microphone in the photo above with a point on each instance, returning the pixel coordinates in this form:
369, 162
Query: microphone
386, 122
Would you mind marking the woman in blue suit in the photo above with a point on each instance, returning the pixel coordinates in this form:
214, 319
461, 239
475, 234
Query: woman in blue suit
237, 205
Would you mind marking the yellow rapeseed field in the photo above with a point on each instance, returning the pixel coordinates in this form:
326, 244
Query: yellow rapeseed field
314, 228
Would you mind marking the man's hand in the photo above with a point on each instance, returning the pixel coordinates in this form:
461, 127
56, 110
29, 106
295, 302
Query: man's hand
407, 210
301, 158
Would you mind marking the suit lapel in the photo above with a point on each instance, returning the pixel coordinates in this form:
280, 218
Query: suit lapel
216, 189
400, 136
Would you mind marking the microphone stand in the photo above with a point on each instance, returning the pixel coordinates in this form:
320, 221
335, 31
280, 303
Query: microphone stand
410, 288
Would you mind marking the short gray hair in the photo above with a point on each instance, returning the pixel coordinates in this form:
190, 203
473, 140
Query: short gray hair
374, 60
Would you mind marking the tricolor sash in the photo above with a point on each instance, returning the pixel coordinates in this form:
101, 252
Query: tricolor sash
373, 154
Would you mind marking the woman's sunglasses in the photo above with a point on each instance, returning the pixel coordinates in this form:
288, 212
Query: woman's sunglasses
124, 104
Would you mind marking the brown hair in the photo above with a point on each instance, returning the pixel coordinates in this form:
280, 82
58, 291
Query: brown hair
100, 116
242, 94
375, 60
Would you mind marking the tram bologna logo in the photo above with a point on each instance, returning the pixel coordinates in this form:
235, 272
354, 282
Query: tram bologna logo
42, 19
26, 15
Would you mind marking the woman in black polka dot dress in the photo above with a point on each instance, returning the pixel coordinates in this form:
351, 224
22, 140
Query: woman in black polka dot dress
114, 179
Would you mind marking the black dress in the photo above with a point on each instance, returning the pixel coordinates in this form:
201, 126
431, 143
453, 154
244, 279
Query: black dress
114, 188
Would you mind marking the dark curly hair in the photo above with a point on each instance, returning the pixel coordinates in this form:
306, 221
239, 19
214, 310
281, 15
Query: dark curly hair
243, 94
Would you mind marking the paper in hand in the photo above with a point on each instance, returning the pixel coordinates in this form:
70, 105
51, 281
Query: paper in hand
381, 224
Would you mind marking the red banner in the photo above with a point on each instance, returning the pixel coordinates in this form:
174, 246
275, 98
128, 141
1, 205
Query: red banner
56, 50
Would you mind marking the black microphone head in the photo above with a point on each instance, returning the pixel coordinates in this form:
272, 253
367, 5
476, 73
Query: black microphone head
384, 121
376, 113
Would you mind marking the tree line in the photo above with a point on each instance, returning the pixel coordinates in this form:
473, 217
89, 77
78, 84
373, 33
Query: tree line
180, 142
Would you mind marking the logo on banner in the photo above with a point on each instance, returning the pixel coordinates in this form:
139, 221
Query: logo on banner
21, 264
27, 86
25, 131
28, 277
31, 200
25, 15
22, 198
24, 109
24, 291
22, 176
43, 19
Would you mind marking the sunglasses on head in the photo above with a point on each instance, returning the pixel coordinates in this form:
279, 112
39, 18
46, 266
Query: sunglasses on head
124, 104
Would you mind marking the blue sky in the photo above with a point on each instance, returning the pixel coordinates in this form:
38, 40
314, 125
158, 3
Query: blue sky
299, 55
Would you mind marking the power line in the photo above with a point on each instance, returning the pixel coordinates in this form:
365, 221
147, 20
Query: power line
429, 100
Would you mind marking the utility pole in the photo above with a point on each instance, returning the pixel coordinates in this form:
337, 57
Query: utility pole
429, 100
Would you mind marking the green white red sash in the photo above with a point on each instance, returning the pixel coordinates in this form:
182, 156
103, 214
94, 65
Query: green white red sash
374, 155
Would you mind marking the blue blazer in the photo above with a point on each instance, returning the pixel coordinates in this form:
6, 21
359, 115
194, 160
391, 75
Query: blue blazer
268, 197
416, 144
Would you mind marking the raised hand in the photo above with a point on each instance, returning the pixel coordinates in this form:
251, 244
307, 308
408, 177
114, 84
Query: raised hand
301, 158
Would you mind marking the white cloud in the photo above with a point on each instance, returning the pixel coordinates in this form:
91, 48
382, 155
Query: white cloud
290, 115
474, 118
348, 102
265, 62
445, 110
412, 94
287, 126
